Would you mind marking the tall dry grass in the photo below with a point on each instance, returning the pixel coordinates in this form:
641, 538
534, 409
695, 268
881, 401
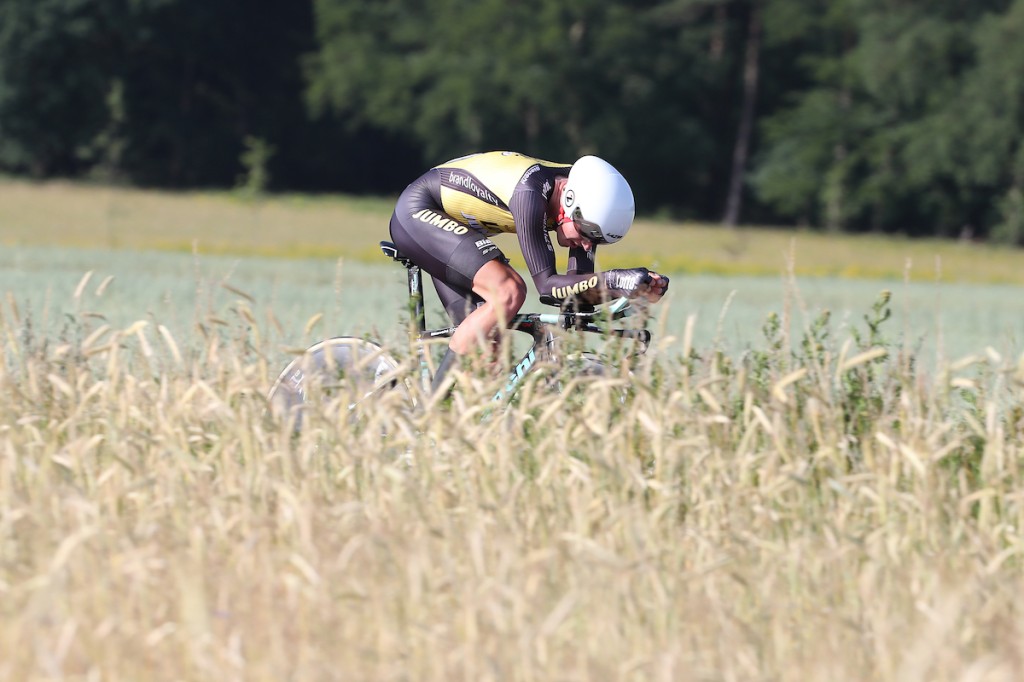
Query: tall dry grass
814, 510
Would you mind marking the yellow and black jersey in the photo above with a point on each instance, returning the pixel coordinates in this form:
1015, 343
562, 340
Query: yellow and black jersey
480, 188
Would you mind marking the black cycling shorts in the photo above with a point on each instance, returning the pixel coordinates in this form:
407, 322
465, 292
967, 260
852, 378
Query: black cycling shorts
445, 248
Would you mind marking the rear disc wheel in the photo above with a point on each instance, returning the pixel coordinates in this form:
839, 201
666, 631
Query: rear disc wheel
346, 369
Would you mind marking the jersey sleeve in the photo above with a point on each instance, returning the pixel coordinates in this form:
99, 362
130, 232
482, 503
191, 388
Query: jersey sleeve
529, 209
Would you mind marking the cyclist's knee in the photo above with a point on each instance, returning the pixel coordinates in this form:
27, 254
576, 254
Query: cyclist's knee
501, 286
510, 296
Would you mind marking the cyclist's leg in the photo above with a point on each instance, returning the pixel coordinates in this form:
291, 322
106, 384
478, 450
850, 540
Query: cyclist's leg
504, 292
465, 263
506, 282
449, 252
458, 304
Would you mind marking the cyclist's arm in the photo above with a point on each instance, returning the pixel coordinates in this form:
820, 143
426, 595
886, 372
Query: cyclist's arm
581, 261
528, 209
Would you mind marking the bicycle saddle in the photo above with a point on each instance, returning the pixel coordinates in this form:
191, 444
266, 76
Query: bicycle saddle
392, 252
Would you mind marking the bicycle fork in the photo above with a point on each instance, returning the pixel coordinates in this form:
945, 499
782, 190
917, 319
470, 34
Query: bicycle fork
544, 339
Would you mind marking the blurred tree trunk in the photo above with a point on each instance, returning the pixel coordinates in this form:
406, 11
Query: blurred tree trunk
721, 24
751, 72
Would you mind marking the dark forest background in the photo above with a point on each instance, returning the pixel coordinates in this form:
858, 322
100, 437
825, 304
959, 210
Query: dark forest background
901, 116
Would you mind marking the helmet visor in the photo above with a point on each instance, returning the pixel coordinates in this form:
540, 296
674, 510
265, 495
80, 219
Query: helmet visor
586, 228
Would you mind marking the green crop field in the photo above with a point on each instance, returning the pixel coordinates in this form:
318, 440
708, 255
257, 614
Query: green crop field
303, 257
302, 226
826, 493
61, 288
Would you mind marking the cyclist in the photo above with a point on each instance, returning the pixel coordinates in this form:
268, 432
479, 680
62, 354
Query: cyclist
443, 222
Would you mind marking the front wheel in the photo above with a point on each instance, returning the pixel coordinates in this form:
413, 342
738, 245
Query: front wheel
346, 368
593, 366
587, 364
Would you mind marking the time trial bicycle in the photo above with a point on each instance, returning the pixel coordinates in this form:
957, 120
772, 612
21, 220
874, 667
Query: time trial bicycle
356, 369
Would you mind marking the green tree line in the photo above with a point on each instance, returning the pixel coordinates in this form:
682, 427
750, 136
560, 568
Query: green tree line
843, 115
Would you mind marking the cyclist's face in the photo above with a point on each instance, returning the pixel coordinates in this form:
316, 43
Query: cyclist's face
568, 235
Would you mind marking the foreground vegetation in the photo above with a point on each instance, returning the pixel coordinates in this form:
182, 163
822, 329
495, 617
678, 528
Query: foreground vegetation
820, 500
815, 509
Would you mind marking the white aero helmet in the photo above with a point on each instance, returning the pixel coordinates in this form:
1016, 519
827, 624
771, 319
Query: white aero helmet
599, 200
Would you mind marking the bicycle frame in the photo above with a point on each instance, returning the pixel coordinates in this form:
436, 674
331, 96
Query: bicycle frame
541, 326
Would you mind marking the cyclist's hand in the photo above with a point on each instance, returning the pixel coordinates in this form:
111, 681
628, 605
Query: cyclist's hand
654, 288
636, 283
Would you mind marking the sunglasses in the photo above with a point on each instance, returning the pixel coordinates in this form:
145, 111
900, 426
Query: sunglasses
591, 231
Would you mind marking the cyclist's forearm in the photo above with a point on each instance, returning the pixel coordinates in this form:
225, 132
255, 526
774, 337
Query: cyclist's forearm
566, 286
595, 288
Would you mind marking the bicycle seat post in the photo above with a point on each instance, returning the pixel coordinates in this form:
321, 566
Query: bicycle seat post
416, 298
415, 276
